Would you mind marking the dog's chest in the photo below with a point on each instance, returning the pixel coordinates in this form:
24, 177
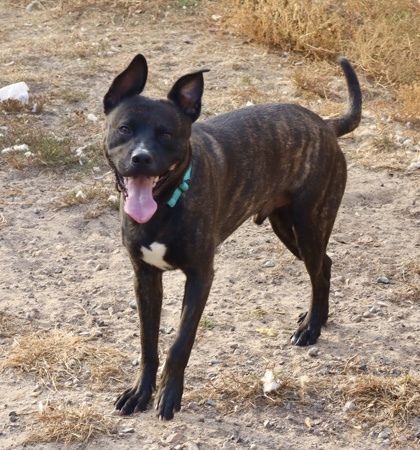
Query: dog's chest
154, 254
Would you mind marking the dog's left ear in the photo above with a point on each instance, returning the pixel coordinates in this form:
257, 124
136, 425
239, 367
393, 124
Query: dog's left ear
186, 93
127, 84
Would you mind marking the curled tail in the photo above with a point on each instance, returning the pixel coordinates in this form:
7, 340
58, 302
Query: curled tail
351, 119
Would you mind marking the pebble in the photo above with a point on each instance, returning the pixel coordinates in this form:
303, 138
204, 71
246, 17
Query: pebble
33, 6
135, 362
338, 294
374, 309
191, 446
211, 402
175, 438
269, 264
357, 318
127, 430
133, 304
367, 314
383, 280
98, 268
268, 424
349, 406
213, 362
314, 351
385, 433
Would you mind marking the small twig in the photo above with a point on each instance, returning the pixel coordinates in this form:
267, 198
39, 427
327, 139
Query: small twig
344, 371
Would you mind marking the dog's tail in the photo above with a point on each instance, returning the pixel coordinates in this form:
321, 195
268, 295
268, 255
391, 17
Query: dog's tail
351, 118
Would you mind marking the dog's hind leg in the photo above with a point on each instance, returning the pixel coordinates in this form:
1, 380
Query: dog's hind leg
303, 236
281, 221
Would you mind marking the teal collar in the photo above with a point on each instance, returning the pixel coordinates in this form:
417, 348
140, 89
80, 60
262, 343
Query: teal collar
183, 187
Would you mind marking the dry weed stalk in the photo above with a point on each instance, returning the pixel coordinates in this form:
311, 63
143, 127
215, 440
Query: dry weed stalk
66, 424
58, 356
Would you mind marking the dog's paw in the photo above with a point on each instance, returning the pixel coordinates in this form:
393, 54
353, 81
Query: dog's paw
133, 400
168, 400
305, 335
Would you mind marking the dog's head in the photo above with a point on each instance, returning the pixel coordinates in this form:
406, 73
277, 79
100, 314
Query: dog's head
147, 140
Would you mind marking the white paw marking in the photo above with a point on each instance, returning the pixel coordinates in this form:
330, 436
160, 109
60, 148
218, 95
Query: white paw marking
154, 255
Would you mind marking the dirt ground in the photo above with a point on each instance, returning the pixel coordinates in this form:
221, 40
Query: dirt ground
66, 269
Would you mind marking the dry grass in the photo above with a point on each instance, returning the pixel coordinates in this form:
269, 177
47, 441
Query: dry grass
35, 105
380, 36
46, 150
59, 358
98, 195
234, 392
384, 399
410, 276
66, 424
391, 401
407, 103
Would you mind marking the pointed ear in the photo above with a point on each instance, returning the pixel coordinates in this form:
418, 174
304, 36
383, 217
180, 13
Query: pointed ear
127, 84
186, 93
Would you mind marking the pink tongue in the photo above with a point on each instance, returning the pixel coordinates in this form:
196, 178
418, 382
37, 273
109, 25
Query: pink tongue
139, 204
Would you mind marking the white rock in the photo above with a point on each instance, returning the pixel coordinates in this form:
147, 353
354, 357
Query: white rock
16, 148
15, 91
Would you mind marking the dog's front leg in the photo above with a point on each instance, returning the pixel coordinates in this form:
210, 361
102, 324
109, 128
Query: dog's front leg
197, 288
149, 292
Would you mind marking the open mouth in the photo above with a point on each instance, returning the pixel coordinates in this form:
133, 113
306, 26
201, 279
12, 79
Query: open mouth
157, 182
140, 193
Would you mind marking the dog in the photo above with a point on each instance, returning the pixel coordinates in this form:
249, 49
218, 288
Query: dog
187, 185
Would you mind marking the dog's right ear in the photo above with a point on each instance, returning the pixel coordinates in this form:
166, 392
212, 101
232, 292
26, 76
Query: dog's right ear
127, 84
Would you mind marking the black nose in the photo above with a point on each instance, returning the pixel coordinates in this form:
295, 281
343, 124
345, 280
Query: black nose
141, 159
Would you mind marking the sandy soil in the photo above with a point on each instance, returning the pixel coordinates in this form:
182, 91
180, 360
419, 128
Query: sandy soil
66, 268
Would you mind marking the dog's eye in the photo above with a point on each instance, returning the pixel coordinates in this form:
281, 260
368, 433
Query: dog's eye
166, 135
124, 130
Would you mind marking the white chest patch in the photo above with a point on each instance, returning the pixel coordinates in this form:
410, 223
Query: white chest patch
154, 255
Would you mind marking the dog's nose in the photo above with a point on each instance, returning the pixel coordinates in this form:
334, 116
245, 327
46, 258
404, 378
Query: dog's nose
141, 159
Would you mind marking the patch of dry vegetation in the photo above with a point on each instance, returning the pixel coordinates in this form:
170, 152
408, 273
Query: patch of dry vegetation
234, 392
379, 36
384, 399
391, 401
65, 424
58, 357
98, 196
